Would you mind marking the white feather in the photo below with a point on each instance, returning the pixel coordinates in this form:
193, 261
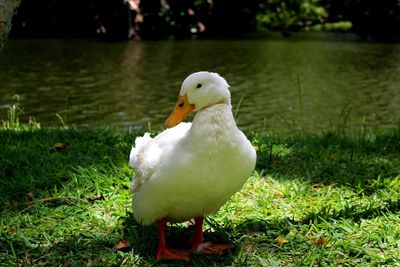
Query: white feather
140, 144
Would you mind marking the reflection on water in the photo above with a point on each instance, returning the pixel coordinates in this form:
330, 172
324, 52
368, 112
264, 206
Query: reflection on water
286, 84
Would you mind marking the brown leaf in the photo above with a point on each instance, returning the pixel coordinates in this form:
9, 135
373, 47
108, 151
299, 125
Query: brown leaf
93, 199
122, 245
11, 229
60, 146
280, 240
30, 195
28, 259
322, 241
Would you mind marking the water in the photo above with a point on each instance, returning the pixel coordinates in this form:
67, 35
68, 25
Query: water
301, 83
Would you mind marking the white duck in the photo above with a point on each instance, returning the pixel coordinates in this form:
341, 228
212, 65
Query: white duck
191, 169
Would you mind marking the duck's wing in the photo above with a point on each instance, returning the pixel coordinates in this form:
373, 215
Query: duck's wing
146, 154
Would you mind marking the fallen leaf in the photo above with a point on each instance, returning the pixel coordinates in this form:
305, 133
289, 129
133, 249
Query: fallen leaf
30, 195
11, 229
60, 146
321, 241
93, 199
317, 187
281, 240
123, 245
28, 259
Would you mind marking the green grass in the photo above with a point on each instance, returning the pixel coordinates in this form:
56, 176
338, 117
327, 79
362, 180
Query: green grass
314, 200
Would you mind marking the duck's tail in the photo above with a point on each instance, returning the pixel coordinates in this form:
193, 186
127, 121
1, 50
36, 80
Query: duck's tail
140, 143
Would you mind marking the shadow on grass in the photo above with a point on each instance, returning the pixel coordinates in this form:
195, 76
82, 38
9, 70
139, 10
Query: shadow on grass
77, 248
44, 160
143, 241
354, 213
356, 161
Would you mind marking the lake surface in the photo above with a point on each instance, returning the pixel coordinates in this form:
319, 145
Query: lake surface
299, 83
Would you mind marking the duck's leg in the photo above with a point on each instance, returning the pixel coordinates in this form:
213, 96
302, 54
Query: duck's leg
198, 244
163, 251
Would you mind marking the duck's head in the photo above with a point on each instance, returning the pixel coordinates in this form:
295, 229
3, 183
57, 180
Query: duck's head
199, 90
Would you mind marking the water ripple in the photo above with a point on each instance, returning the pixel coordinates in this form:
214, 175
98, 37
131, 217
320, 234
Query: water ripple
285, 83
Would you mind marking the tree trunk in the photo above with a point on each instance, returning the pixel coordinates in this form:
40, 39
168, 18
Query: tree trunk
7, 10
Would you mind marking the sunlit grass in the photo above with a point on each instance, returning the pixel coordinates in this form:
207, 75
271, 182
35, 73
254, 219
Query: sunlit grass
327, 199
13, 116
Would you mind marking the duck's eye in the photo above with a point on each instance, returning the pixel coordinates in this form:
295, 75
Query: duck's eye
198, 85
181, 103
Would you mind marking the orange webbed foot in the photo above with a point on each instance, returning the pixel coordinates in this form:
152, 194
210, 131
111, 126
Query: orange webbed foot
172, 254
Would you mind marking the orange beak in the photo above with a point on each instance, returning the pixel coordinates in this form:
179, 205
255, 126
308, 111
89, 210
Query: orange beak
181, 110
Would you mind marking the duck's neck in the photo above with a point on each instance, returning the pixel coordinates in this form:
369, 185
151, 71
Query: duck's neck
215, 118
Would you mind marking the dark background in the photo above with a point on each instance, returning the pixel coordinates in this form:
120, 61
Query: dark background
155, 19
